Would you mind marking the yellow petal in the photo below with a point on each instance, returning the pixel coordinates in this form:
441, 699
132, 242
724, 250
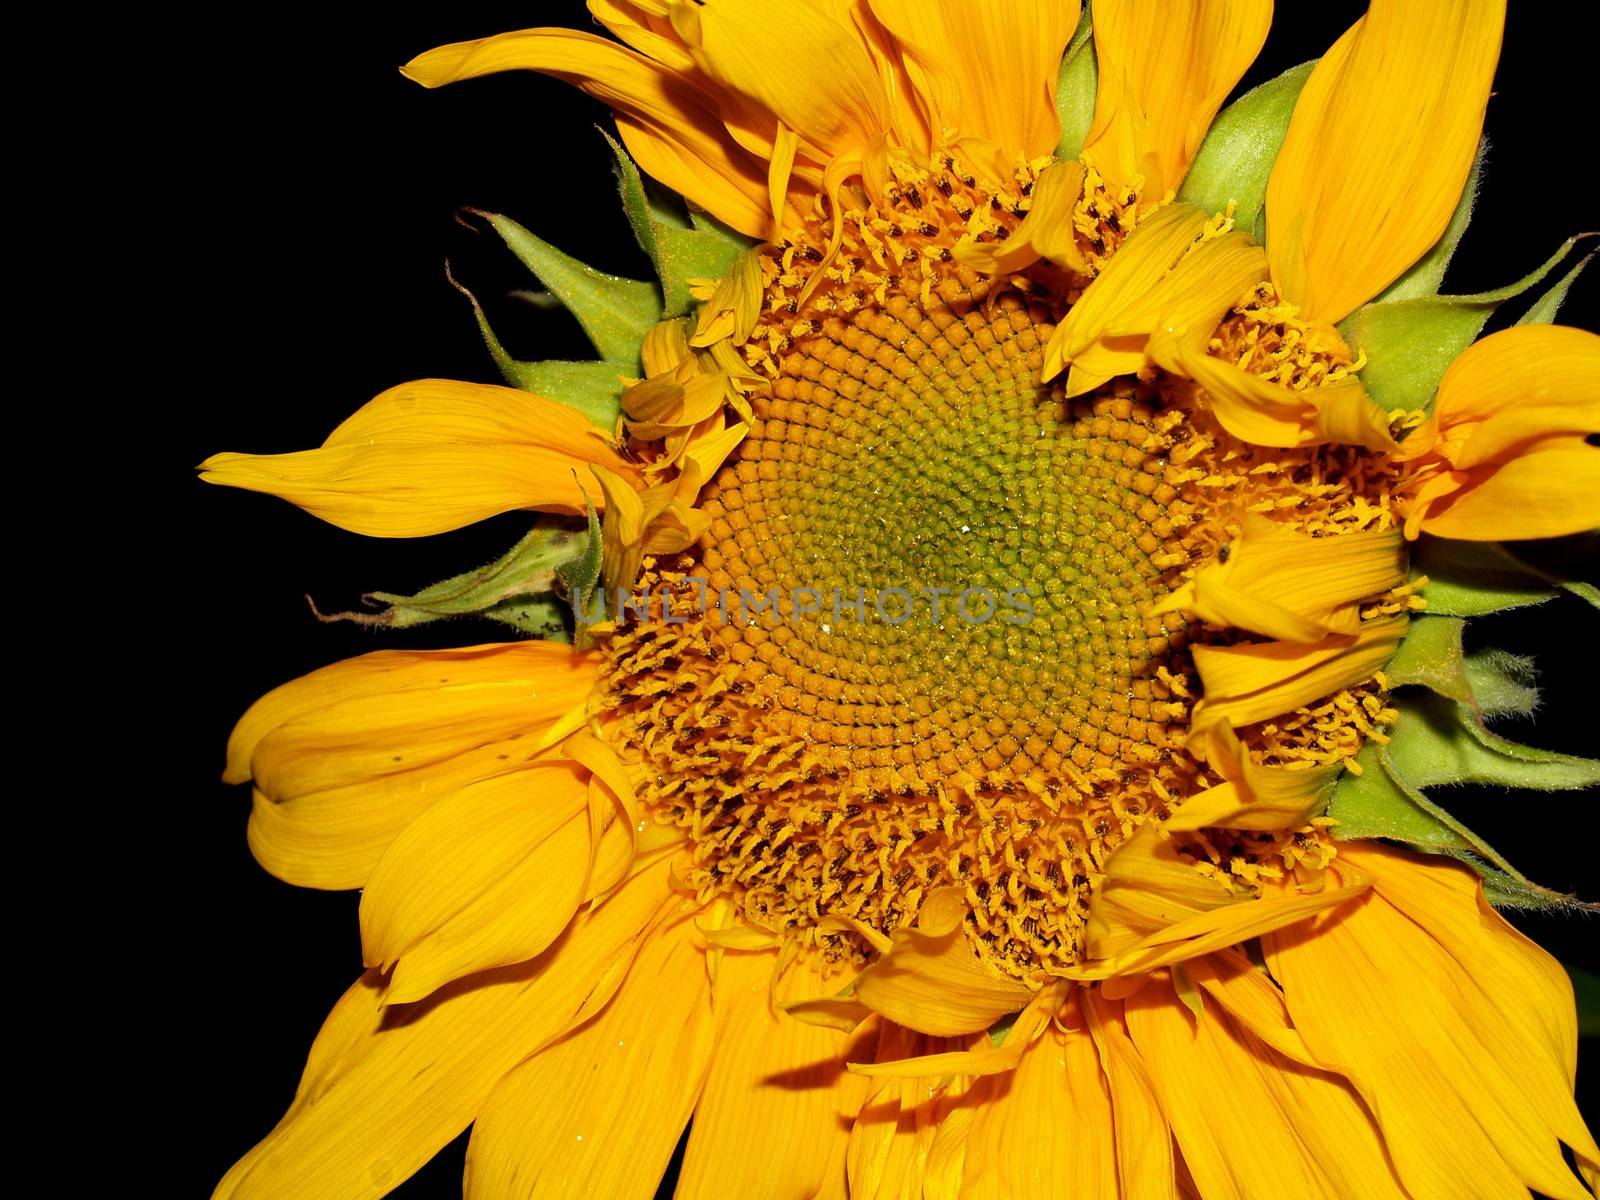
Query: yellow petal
931, 980
1148, 886
1508, 432
1252, 681
734, 306
430, 456
1046, 232
1467, 1097
1144, 1143
599, 1112
1378, 150
1254, 796
1281, 583
382, 1095
1165, 68
987, 71
772, 1074
1134, 271
668, 123
984, 1058
894, 1131
1279, 1130
1270, 414
1045, 1131
458, 849
347, 756
767, 52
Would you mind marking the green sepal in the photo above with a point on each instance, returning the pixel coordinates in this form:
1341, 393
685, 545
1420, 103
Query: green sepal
680, 251
1410, 344
1586, 991
1491, 682
593, 388
1470, 579
999, 1030
615, 312
578, 577
1543, 310
1426, 275
1438, 741
1505, 889
520, 589
1076, 84
1237, 155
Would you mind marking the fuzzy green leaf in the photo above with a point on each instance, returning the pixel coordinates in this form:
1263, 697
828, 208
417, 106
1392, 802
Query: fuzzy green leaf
1374, 804
1501, 683
1076, 83
1411, 343
578, 577
1426, 275
1431, 656
1507, 889
680, 251
615, 312
1237, 155
593, 388
1439, 742
1471, 579
517, 589
1543, 310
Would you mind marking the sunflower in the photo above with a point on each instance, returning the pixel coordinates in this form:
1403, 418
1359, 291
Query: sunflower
997, 614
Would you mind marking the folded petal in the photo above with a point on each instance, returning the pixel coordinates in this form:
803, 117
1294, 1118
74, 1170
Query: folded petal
386, 1088
430, 456
346, 757
1278, 1129
1551, 489
1046, 232
1165, 69
667, 116
1378, 150
488, 876
930, 978
1470, 1090
776, 1075
1252, 681
766, 52
986, 71
599, 1112
1045, 1130
1281, 583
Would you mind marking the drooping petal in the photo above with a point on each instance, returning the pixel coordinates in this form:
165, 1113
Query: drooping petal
1133, 272
599, 1112
930, 979
767, 52
1045, 1130
1470, 1101
987, 71
486, 877
1284, 584
385, 1089
1252, 681
430, 456
1046, 232
894, 1131
346, 757
772, 1073
1504, 453
1378, 150
1165, 69
1276, 1129
670, 124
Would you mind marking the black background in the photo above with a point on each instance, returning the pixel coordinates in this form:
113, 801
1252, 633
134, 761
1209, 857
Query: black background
306, 213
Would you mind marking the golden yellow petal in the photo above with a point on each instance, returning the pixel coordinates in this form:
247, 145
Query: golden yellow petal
431, 456
987, 71
931, 980
599, 1112
1144, 1142
1046, 232
894, 1131
363, 1119
1165, 67
1284, 584
772, 1073
1550, 489
1378, 150
1466, 1096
